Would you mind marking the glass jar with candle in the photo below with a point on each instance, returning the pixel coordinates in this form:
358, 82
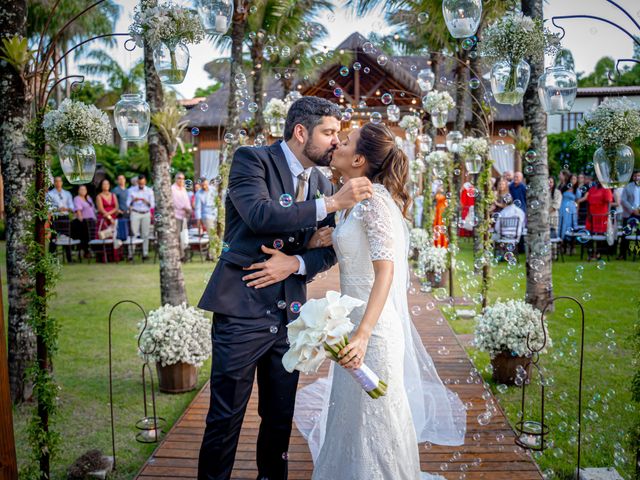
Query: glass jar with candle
216, 15
462, 17
557, 90
132, 117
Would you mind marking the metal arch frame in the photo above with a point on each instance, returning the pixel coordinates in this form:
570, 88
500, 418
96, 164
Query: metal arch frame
634, 38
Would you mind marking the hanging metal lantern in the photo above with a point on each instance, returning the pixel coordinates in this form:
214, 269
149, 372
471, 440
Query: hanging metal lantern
453, 141
132, 117
216, 15
557, 90
462, 17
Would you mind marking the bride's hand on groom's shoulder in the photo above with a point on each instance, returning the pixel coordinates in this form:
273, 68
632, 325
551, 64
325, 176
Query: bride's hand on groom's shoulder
321, 238
352, 192
352, 356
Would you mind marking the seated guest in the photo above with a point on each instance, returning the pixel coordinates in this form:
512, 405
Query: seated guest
60, 203
509, 211
630, 202
518, 191
508, 176
599, 200
502, 190
85, 213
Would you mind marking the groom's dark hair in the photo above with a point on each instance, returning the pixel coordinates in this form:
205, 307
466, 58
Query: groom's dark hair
308, 111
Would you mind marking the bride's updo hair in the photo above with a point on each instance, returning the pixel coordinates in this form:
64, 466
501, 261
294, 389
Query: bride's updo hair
387, 164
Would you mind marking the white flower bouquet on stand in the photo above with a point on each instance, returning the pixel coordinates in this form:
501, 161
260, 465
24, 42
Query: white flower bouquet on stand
438, 103
473, 150
320, 332
438, 161
275, 114
73, 128
412, 125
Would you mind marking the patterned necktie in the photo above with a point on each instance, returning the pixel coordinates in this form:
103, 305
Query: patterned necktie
301, 195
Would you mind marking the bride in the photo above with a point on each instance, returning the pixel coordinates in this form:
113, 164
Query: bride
352, 436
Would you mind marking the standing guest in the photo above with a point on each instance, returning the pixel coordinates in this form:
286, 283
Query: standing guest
60, 204
84, 209
568, 218
582, 188
599, 200
439, 230
518, 191
508, 176
555, 197
140, 202
181, 206
107, 203
502, 190
197, 186
467, 202
630, 201
205, 211
122, 192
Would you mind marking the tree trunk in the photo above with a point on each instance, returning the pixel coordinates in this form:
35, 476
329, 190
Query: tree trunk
257, 60
287, 85
18, 176
539, 277
172, 288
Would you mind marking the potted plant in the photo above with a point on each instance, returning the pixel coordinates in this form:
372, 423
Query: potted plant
275, 114
73, 128
611, 126
502, 330
166, 28
508, 42
434, 262
179, 341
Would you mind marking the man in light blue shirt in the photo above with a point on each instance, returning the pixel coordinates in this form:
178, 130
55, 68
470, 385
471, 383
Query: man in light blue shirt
206, 212
140, 203
60, 201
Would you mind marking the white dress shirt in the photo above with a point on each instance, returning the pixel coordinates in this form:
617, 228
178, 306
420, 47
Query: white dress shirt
59, 199
296, 169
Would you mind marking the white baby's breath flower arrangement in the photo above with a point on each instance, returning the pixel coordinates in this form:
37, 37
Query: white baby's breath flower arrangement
321, 331
410, 122
433, 259
504, 326
438, 160
472, 146
276, 109
165, 23
438, 100
515, 37
179, 333
419, 238
616, 121
76, 123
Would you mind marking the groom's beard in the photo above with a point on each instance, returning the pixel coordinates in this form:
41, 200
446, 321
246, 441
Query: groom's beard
318, 157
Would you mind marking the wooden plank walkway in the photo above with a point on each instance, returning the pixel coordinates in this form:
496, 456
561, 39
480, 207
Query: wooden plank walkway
489, 451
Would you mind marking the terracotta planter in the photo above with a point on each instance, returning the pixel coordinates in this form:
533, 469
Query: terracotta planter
438, 281
505, 365
177, 378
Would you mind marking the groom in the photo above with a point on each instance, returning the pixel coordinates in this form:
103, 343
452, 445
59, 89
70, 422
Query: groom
275, 202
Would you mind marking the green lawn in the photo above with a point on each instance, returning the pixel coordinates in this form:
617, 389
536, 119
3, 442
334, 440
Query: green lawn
612, 291
85, 295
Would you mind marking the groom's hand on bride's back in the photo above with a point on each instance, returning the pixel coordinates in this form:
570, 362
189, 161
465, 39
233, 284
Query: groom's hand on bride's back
352, 192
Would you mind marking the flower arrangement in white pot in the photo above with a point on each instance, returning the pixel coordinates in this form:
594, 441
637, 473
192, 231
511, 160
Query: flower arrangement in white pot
502, 330
508, 42
178, 340
412, 125
275, 114
73, 128
611, 126
438, 103
473, 150
166, 28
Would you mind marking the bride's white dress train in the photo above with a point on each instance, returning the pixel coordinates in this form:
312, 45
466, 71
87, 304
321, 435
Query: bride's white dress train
352, 436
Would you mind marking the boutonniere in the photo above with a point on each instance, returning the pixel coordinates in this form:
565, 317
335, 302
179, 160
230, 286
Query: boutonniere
318, 195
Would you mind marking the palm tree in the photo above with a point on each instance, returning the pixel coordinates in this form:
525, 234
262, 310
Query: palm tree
539, 280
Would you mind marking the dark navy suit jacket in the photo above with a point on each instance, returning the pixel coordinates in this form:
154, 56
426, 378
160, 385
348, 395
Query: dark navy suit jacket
259, 176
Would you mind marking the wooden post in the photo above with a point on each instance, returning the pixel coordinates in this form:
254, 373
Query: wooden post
8, 462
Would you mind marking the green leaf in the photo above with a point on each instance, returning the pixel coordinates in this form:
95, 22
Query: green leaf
15, 51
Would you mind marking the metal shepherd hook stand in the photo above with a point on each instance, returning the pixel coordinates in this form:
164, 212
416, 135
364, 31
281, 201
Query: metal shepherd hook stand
530, 434
150, 426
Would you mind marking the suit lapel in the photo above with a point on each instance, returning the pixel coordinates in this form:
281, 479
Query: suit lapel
286, 179
313, 183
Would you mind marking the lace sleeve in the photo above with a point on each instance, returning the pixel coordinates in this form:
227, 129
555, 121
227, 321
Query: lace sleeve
379, 228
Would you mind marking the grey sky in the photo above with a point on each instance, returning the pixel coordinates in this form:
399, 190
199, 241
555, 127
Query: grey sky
589, 40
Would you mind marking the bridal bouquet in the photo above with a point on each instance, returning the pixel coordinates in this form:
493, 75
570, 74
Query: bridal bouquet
321, 331
165, 23
76, 123
438, 101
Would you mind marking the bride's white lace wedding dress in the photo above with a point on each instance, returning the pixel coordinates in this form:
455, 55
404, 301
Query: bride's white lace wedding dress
352, 436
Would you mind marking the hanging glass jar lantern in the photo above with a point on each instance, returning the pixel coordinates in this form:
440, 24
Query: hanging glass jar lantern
509, 81
78, 162
132, 117
276, 127
426, 79
439, 118
614, 165
171, 61
393, 113
216, 15
453, 141
462, 17
473, 164
425, 143
557, 90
